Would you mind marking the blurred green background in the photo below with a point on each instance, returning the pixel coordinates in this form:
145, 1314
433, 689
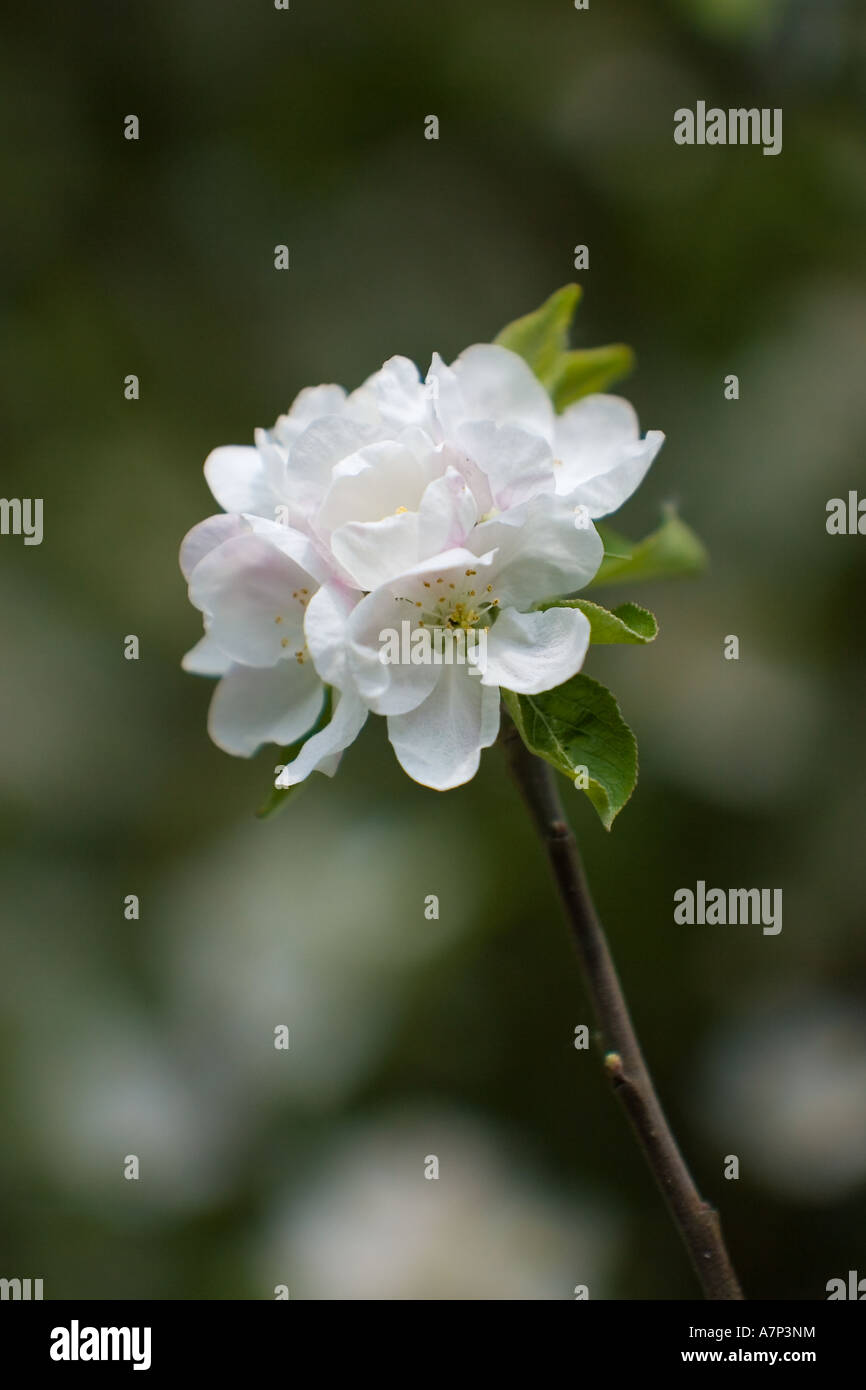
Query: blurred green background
410, 1037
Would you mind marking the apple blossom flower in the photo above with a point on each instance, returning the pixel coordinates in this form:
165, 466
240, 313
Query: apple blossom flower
450, 502
287, 474
440, 716
336, 459
490, 403
252, 580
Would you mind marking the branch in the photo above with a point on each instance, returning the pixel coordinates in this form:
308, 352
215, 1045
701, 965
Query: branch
696, 1221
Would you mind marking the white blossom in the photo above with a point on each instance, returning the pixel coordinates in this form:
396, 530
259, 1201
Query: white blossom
458, 502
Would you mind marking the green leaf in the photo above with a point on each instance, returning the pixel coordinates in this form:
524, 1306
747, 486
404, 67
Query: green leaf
541, 337
578, 729
280, 795
673, 549
627, 623
585, 370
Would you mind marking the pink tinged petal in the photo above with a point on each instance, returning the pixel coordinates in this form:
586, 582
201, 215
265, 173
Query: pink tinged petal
206, 536
206, 658
321, 753
439, 744
325, 626
602, 457
487, 382
241, 480
518, 464
253, 597
541, 553
251, 707
531, 652
447, 514
477, 481
297, 546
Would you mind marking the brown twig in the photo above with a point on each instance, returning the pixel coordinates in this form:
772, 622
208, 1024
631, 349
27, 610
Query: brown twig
696, 1221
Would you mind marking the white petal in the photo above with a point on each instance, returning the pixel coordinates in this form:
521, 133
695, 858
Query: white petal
252, 595
311, 404
433, 458
439, 744
386, 688
487, 382
394, 688
362, 406
401, 396
206, 536
325, 624
477, 481
518, 464
541, 553
313, 401
251, 707
321, 753
602, 457
310, 555
378, 481
206, 658
241, 479
321, 446
373, 552
447, 514
531, 652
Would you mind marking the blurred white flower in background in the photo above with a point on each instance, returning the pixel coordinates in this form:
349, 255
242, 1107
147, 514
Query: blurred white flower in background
250, 933
734, 731
324, 933
369, 1225
784, 1089
98, 1075
118, 1089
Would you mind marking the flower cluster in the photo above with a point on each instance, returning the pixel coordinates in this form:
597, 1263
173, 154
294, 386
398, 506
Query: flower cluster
457, 503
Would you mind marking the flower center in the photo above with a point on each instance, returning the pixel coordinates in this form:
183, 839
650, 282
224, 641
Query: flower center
454, 606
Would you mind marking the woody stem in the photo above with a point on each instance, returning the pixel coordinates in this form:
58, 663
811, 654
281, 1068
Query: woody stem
696, 1221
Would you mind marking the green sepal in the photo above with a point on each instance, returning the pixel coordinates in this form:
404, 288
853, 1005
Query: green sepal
280, 795
672, 550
